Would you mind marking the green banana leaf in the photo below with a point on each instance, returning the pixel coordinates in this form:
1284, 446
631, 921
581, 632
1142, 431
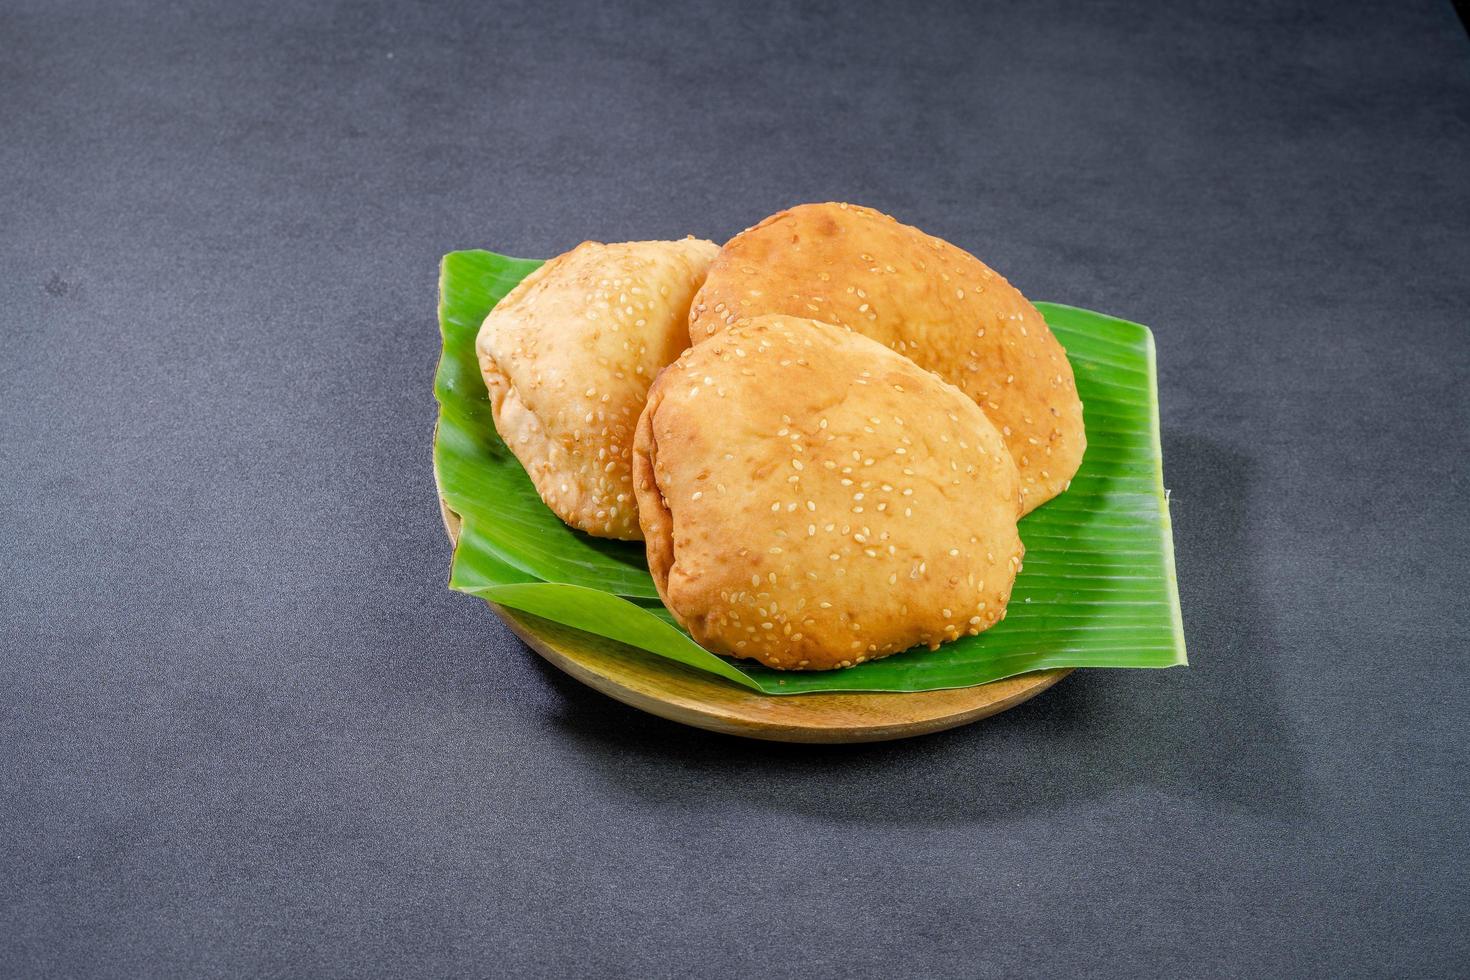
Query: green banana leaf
1097, 589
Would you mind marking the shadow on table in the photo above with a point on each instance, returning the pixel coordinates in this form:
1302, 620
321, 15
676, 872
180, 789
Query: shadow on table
1213, 731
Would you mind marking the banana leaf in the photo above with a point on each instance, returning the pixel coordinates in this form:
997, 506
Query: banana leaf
1098, 587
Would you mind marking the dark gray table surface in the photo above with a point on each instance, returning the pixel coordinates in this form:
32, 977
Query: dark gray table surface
245, 729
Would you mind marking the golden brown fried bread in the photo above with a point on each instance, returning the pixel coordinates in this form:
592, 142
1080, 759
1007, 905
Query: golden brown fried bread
811, 499
923, 297
568, 356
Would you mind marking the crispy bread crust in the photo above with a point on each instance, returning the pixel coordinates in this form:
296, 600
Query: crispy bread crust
922, 297
568, 356
810, 499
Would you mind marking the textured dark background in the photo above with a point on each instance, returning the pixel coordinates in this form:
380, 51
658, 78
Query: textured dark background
245, 728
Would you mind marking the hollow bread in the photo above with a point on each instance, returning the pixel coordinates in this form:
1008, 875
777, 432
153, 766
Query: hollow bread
922, 297
810, 499
568, 356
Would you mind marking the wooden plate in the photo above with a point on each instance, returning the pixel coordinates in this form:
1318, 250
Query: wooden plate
692, 697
